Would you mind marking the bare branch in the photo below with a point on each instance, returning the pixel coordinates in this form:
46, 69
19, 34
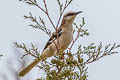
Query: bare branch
48, 14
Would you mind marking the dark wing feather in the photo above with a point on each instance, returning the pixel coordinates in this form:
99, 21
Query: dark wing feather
53, 37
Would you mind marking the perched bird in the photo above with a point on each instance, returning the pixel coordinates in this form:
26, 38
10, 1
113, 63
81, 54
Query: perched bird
65, 35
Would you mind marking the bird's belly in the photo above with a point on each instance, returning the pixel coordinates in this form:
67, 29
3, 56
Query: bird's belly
66, 40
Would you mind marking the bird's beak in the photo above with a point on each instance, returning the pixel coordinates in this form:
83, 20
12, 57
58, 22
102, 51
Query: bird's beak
78, 12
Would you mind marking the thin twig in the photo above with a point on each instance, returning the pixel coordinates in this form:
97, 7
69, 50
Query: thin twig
61, 13
41, 8
48, 14
73, 43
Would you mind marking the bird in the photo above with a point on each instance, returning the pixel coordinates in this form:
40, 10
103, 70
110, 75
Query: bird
62, 38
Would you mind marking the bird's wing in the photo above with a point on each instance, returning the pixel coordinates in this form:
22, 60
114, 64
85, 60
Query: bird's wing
53, 37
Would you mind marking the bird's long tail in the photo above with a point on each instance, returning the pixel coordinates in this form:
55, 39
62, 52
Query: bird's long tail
29, 67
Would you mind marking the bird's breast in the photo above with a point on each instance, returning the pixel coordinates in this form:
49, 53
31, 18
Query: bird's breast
65, 39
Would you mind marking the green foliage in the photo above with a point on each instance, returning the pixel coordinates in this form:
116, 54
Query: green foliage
81, 32
30, 2
33, 51
65, 68
39, 24
92, 53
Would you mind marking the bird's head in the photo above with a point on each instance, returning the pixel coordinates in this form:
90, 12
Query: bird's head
70, 16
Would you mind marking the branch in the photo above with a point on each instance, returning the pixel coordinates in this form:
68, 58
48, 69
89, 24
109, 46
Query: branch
48, 14
80, 33
34, 2
37, 24
33, 51
95, 53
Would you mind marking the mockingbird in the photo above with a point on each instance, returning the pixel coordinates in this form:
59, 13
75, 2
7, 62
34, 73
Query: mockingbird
62, 38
